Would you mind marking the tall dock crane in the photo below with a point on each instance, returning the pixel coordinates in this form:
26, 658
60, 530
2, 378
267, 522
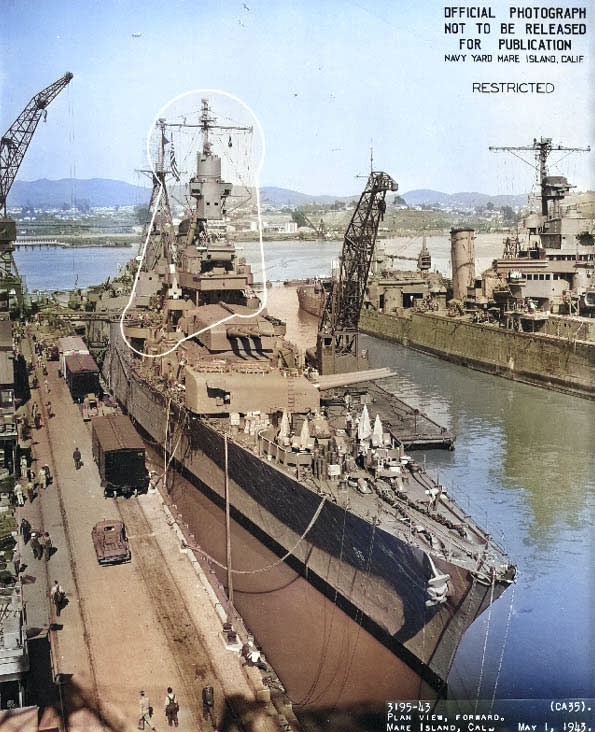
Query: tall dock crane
13, 146
336, 346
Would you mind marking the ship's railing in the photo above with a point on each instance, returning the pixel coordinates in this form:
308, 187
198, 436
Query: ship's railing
209, 367
298, 459
220, 367
448, 544
282, 455
475, 515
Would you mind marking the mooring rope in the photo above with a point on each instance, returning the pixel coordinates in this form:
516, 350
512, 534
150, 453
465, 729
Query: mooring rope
485, 642
274, 564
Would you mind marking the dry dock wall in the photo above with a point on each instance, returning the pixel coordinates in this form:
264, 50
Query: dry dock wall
544, 360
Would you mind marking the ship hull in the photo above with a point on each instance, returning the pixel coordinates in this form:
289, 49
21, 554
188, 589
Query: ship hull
561, 363
562, 360
311, 299
368, 569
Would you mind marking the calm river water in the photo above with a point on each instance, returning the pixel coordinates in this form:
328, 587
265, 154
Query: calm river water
524, 464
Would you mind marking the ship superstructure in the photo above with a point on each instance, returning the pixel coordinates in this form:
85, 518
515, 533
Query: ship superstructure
548, 266
529, 317
204, 370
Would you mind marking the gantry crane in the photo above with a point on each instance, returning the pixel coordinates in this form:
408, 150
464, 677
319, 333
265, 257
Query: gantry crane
336, 347
320, 229
13, 146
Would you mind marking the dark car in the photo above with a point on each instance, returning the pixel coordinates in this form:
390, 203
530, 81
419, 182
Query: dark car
110, 542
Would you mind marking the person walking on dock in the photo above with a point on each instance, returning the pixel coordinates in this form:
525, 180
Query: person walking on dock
36, 545
47, 547
16, 560
25, 530
171, 708
42, 479
30, 491
145, 711
76, 456
58, 597
208, 704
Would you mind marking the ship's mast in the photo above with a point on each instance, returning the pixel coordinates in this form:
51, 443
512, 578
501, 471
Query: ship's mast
161, 244
207, 186
542, 149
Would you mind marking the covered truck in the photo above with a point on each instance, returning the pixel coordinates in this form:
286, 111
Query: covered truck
120, 456
82, 375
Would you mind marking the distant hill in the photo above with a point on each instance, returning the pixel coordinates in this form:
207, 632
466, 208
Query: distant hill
461, 200
97, 192
104, 192
280, 197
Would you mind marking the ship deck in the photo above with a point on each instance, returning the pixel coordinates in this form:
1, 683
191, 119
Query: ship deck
400, 498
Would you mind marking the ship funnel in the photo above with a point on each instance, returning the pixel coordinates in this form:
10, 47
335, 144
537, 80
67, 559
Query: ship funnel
462, 256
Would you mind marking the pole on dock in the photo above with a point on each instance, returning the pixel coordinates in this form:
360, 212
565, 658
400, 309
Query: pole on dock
228, 530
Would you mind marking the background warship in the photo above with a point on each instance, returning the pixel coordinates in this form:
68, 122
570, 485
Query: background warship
529, 317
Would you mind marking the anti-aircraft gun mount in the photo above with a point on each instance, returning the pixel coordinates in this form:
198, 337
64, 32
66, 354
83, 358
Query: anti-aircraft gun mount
337, 349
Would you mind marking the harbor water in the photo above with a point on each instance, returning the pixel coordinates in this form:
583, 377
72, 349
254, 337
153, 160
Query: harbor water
523, 466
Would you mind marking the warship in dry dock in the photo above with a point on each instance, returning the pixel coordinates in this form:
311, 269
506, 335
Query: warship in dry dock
205, 371
529, 317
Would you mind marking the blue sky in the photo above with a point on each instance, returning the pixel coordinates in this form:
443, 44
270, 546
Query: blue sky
326, 80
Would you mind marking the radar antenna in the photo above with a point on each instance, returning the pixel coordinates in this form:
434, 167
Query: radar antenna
542, 149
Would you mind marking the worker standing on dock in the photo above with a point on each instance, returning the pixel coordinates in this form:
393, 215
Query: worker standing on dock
25, 530
145, 711
76, 456
42, 479
47, 547
171, 708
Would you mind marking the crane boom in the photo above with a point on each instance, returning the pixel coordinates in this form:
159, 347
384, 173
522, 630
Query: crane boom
15, 141
337, 336
13, 146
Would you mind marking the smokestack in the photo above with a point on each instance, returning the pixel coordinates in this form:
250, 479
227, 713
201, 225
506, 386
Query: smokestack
462, 257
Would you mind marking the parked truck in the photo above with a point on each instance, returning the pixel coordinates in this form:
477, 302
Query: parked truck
82, 375
120, 456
